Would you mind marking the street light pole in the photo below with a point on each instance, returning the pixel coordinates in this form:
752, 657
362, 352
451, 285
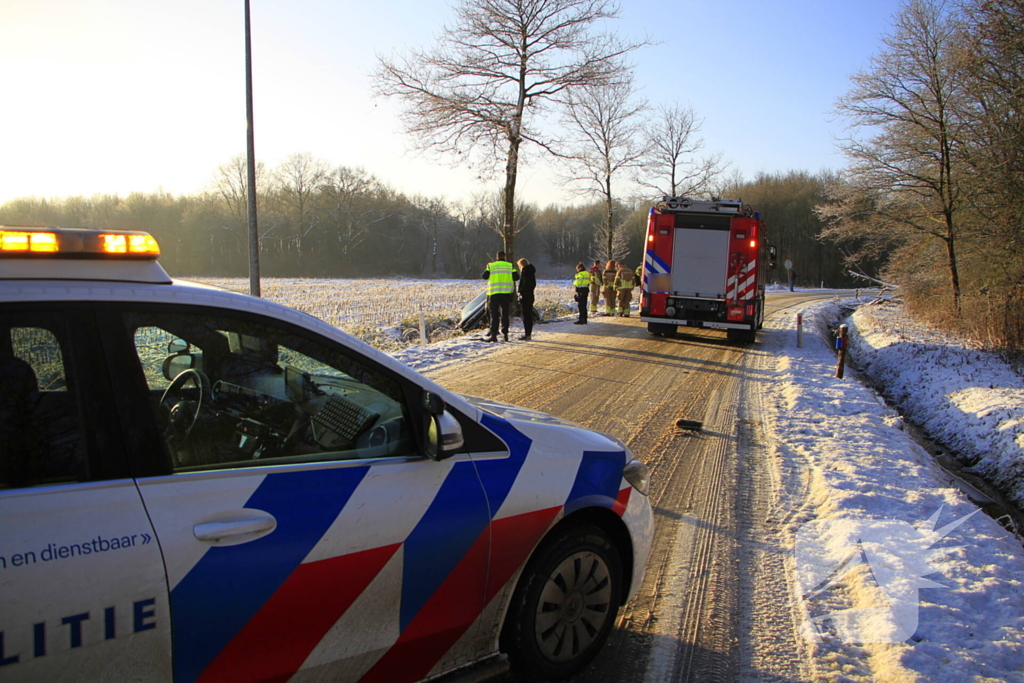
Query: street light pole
254, 235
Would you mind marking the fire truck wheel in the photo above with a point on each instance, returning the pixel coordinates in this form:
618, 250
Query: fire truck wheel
742, 336
662, 330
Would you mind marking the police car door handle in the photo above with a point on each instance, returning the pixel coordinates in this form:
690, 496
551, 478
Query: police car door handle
241, 529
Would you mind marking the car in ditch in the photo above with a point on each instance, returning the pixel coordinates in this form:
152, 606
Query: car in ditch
198, 485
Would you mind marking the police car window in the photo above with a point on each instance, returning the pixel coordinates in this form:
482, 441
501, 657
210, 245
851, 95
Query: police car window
40, 427
233, 393
152, 343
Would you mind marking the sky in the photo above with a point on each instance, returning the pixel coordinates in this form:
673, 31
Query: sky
117, 96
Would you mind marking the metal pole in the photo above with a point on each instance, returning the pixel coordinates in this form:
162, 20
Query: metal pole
254, 235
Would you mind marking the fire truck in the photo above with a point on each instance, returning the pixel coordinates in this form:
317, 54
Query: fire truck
705, 265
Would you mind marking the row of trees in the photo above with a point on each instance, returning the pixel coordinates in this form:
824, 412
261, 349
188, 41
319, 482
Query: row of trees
935, 184
322, 221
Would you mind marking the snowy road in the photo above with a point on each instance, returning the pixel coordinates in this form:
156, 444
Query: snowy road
794, 469
715, 604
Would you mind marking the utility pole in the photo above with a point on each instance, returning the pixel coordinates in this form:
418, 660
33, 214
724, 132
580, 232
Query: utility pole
254, 235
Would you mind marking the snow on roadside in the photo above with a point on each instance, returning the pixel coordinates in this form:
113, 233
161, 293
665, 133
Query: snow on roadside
860, 488
974, 404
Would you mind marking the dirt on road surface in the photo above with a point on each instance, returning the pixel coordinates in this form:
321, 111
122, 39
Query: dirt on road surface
716, 602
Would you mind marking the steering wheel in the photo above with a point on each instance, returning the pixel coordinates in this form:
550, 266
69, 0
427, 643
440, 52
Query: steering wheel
183, 413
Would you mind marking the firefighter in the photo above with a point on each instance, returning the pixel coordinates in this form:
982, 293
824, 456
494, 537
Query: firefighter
595, 286
608, 278
624, 286
501, 284
582, 285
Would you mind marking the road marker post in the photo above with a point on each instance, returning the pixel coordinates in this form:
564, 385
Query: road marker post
799, 330
842, 341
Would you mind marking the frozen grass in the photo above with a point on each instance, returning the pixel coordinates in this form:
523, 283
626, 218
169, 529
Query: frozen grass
385, 312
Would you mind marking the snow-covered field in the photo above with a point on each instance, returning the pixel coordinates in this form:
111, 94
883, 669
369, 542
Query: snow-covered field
384, 311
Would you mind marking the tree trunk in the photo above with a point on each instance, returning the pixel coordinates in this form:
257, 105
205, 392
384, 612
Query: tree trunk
508, 231
611, 217
954, 272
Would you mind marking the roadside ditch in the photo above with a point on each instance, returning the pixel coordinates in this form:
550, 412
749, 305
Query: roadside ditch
976, 488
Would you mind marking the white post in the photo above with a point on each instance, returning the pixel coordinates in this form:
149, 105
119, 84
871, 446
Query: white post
423, 330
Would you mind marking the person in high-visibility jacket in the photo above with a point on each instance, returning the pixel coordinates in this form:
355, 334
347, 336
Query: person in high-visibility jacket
501, 279
624, 286
595, 285
582, 285
608, 277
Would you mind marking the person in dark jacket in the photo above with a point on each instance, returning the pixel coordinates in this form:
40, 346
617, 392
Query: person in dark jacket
527, 284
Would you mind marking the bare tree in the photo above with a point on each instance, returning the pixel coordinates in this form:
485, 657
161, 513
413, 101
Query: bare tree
477, 94
229, 190
298, 181
996, 67
433, 219
352, 198
230, 186
910, 101
605, 126
672, 168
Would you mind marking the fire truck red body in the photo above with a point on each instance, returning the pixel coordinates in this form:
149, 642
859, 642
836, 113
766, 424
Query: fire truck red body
705, 265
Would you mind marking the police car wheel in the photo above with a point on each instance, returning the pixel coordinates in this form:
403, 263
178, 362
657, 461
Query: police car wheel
564, 606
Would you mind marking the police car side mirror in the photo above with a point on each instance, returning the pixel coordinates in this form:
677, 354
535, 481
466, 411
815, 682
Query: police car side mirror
176, 346
444, 436
432, 403
175, 365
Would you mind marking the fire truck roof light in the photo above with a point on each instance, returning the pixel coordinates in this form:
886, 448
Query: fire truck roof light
77, 243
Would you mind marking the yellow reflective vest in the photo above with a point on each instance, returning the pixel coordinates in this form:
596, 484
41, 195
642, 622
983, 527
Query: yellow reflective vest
500, 280
582, 279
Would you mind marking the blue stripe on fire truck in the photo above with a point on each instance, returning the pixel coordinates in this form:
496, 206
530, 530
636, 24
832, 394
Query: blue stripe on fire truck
655, 264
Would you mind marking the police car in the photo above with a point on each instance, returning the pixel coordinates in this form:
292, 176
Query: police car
197, 485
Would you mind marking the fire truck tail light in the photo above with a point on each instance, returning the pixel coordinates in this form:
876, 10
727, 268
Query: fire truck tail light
753, 244
650, 238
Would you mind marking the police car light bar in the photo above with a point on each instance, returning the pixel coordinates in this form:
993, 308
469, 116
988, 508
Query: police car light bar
76, 243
